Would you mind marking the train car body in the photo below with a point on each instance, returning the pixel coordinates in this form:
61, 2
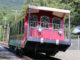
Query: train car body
42, 30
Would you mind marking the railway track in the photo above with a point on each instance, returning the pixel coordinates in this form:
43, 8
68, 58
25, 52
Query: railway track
29, 56
68, 55
39, 56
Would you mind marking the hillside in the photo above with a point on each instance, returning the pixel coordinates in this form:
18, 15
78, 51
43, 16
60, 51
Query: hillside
13, 4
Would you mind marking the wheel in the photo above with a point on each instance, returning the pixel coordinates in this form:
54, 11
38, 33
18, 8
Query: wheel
16, 50
11, 47
51, 53
35, 52
48, 54
20, 52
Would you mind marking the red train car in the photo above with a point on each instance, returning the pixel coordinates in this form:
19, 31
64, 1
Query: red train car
43, 31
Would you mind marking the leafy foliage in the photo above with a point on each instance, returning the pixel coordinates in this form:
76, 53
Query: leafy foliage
72, 5
6, 7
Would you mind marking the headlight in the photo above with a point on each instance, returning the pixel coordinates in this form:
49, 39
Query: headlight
39, 29
60, 32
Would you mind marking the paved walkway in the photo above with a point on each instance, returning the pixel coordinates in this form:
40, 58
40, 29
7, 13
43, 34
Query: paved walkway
6, 55
69, 55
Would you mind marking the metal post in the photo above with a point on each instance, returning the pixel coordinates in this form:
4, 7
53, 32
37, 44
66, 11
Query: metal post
28, 23
8, 30
4, 33
78, 37
69, 33
78, 42
16, 13
0, 33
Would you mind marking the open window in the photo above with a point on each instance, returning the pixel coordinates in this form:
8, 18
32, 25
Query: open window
56, 23
33, 21
44, 20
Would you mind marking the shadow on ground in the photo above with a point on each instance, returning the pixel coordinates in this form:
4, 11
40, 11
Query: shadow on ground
37, 57
41, 57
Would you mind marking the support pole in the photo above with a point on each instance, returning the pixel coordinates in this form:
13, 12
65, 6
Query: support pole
78, 42
28, 23
8, 30
69, 33
0, 33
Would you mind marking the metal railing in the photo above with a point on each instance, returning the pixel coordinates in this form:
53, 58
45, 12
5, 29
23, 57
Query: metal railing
75, 43
33, 33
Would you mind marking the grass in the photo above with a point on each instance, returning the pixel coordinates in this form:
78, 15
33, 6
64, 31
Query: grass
1, 41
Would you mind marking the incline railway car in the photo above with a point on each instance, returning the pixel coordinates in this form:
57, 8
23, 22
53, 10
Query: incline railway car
42, 30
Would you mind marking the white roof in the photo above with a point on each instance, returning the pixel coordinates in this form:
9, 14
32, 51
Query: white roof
49, 9
57, 12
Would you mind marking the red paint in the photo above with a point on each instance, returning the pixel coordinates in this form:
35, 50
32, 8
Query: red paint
25, 30
46, 34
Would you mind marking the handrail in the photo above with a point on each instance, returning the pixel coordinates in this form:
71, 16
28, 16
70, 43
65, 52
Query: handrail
35, 26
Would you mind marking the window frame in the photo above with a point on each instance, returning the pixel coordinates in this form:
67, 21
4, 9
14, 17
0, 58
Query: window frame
48, 22
33, 22
53, 23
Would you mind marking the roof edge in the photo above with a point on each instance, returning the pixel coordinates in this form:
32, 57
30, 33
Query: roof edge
49, 9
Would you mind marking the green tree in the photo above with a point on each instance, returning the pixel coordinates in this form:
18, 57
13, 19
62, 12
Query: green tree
1, 18
72, 5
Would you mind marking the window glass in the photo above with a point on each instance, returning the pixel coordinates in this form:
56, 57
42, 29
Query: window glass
33, 21
10, 31
20, 27
23, 25
44, 21
14, 29
17, 28
56, 23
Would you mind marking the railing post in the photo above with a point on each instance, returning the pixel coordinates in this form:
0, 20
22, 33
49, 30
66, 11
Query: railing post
78, 42
28, 23
69, 33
